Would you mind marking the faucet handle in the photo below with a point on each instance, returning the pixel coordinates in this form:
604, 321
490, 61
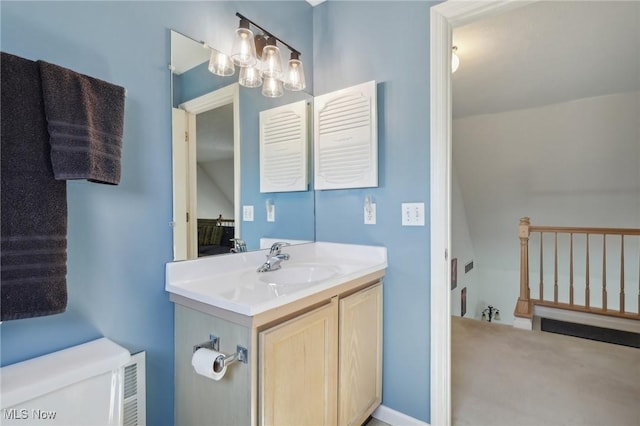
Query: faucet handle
276, 247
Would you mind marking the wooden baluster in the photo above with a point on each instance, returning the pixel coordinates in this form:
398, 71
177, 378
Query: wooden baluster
622, 273
541, 295
604, 272
571, 271
523, 307
555, 271
586, 287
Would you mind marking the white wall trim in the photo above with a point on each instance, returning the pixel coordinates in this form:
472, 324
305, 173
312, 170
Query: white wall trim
396, 418
523, 323
443, 18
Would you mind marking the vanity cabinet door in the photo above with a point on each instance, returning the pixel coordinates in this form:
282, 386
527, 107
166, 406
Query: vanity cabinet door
360, 357
298, 370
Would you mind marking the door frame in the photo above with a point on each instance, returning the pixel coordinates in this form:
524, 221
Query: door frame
443, 18
227, 95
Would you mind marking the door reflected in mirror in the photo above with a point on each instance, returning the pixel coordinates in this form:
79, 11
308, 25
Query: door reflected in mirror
215, 124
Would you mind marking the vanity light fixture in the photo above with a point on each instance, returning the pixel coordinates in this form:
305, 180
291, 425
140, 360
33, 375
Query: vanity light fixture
455, 61
267, 70
250, 77
294, 79
220, 64
272, 87
243, 53
271, 59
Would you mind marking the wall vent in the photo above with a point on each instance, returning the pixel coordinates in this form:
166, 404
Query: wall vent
346, 138
134, 403
284, 148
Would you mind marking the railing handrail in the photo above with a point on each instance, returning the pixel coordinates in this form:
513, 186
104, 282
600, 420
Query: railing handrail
524, 306
582, 230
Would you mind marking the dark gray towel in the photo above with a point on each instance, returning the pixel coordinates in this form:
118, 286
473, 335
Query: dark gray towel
85, 118
34, 205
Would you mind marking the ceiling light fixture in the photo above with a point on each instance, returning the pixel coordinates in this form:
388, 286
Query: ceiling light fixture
455, 61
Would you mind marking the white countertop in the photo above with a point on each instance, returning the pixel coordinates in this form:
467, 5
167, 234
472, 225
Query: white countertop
231, 282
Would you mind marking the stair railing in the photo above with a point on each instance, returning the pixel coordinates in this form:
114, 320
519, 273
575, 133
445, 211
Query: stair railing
525, 304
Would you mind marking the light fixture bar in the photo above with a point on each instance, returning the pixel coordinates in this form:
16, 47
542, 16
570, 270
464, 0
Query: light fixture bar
268, 33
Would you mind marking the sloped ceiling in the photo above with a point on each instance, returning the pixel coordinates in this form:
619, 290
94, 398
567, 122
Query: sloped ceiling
575, 162
544, 53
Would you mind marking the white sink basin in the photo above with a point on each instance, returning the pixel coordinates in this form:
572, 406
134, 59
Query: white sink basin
231, 282
298, 274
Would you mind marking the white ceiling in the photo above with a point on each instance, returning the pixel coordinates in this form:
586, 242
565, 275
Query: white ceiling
546, 52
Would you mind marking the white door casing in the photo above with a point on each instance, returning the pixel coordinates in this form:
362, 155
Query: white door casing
444, 17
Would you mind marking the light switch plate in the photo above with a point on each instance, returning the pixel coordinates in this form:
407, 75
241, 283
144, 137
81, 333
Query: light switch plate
271, 214
412, 214
247, 213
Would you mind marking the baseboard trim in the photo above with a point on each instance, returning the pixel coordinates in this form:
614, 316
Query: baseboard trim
522, 323
396, 418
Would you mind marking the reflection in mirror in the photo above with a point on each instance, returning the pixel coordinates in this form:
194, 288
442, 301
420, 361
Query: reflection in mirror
211, 173
216, 162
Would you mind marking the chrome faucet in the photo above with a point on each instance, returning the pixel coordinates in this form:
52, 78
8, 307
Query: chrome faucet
274, 258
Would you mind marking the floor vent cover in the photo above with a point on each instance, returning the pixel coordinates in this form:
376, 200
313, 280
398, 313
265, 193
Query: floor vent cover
608, 335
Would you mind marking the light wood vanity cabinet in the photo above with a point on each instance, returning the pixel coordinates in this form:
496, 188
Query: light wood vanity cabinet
360, 358
316, 361
298, 370
324, 367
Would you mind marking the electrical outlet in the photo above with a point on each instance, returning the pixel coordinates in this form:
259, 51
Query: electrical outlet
412, 214
370, 214
271, 213
247, 213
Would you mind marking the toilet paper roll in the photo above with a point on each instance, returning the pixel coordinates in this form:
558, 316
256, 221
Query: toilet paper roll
209, 363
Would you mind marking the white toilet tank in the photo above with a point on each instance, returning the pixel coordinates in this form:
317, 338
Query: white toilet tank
82, 385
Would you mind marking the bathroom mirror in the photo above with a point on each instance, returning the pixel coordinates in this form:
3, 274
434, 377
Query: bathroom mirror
216, 188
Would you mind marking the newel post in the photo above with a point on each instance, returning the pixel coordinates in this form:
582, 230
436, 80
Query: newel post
523, 307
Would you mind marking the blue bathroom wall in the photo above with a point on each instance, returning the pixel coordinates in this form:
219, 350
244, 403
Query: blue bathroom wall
388, 42
119, 237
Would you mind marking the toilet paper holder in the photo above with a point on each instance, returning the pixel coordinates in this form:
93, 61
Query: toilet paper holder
241, 354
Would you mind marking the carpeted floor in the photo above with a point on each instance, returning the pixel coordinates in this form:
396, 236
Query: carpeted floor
505, 376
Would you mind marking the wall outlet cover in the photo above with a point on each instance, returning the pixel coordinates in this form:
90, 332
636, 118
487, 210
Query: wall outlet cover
247, 213
370, 214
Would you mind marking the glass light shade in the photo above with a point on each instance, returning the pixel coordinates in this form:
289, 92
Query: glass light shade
272, 87
250, 77
243, 53
220, 64
295, 76
272, 61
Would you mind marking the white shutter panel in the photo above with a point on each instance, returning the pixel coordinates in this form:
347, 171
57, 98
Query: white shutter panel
346, 138
283, 148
